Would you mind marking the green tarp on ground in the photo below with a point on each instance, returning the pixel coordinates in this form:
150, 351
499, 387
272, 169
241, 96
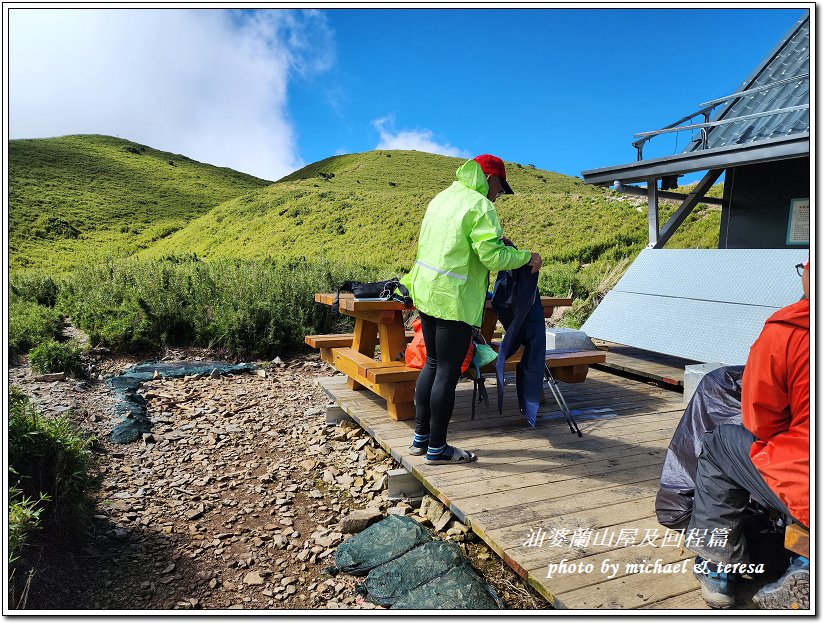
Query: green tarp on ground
131, 407
407, 569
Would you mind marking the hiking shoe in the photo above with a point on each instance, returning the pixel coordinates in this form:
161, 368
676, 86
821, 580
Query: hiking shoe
717, 588
791, 591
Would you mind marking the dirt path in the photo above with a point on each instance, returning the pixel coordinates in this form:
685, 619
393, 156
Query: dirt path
232, 501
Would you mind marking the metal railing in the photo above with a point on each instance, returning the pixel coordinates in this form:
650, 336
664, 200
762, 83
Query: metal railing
707, 108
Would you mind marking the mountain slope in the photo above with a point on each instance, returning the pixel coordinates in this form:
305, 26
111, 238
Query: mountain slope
368, 208
79, 197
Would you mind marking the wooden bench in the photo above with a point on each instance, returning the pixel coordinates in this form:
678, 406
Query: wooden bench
797, 540
568, 367
326, 342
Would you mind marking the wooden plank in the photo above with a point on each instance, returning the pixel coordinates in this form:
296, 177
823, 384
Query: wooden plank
397, 373
531, 512
628, 592
364, 341
329, 341
548, 471
329, 298
797, 539
688, 601
621, 563
549, 491
616, 513
372, 305
608, 541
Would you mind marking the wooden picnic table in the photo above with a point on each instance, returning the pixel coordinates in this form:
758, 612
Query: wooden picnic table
379, 324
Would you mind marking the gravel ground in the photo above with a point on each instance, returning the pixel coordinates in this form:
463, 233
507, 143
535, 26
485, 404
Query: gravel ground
235, 500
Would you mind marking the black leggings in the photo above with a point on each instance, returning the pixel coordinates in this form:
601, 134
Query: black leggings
446, 345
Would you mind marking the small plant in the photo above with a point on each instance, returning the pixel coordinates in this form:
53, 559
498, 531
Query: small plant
53, 357
24, 518
30, 324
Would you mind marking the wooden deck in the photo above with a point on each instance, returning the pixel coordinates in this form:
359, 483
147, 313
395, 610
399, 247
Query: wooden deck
549, 478
655, 366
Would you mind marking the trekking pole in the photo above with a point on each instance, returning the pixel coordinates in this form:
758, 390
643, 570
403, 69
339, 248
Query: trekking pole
559, 399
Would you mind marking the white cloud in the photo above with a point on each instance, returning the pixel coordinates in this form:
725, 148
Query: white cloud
420, 140
209, 84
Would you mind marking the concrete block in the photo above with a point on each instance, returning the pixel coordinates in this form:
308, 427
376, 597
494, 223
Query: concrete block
564, 339
693, 374
403, 484
335, 416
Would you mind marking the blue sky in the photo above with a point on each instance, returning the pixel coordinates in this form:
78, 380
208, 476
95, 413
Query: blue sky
269, 91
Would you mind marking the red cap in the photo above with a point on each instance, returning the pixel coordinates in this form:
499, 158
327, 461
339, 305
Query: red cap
492, 165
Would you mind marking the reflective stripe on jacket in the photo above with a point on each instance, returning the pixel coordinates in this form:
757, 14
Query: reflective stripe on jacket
459, 244
775, 406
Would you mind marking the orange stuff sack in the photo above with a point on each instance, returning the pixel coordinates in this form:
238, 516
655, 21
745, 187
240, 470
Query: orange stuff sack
415, 355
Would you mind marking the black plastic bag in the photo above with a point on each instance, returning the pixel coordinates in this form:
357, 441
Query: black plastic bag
717, 400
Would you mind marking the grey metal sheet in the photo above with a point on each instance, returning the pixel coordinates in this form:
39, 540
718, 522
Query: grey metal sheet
704, 305
722, 275
715, 332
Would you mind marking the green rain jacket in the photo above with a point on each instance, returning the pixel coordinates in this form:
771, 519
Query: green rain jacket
459, 244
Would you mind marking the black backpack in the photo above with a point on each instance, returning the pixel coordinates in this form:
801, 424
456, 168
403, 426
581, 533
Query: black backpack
391, 289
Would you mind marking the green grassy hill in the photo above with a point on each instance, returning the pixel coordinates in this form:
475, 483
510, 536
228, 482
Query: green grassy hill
368, 207
78, 197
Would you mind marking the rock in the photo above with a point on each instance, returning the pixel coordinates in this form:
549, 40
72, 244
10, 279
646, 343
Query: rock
156, 376
431, 509
442, 521
260, 373
196, 513
359, 519
215, 374
277, 361
253, 578
314, 411
50, 377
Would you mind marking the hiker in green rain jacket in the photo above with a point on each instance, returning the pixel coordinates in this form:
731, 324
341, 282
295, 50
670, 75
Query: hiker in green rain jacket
461, 241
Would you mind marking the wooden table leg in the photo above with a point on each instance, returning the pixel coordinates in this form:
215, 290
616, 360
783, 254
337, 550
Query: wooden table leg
400, 403
364, 341
392, 338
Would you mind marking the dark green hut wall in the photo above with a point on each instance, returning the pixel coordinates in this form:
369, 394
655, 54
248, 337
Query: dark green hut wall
758, 199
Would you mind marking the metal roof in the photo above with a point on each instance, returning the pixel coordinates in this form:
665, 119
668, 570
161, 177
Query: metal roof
790, 58
780, 82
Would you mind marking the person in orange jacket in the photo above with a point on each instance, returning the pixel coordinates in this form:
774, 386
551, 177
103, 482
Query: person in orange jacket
767, 459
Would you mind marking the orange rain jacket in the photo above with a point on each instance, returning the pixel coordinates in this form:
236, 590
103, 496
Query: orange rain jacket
775, 406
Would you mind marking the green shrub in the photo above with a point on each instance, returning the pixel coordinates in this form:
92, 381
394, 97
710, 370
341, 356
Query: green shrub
34, 286
256, 308
50, 471
51, 356
30, 324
